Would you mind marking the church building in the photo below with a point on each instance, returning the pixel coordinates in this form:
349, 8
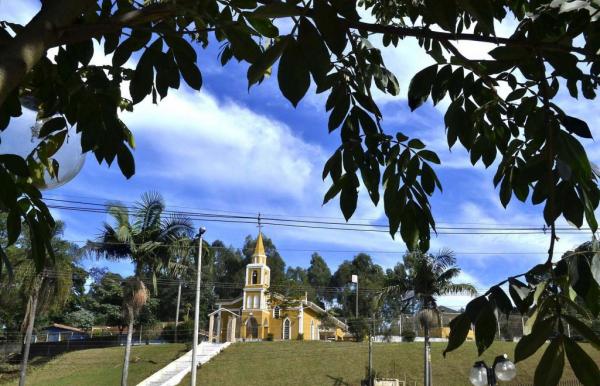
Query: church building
260, 314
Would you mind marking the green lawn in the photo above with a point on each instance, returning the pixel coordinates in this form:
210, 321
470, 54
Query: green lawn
98, 367
337, 364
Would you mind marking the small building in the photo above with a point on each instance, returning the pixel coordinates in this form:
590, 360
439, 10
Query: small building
260, 314
57, 332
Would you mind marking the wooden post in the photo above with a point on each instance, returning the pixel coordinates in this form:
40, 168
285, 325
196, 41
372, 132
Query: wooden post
211, 327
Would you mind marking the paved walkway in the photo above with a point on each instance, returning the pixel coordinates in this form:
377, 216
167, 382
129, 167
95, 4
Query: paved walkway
174, 372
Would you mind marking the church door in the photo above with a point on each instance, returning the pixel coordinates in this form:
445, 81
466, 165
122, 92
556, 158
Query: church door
252, 328
286, 329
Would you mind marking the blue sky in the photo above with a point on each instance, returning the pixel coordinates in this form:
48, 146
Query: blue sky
228, 149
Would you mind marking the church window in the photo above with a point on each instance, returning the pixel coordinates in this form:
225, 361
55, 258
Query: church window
248, 301
312, 330
286, 329
256, 301
276, 312
254, 277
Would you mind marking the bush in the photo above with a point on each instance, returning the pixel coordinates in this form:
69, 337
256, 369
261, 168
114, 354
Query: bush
184, 332
300, 337
359, 328
270, 337
408, 335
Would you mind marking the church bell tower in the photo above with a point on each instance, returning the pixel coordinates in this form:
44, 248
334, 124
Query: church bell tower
258, 278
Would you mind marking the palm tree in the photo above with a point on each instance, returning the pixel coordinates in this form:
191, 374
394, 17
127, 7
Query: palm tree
135, 295
427, 277
145, 237
46, 289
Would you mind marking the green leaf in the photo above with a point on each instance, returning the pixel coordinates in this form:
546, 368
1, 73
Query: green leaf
330, 26
482, 11
580, 275
529, 344
583, 366
505, 191
485, 328
420, 86
521, 295
191, 74
314, 47
596, 267
444, 13
550, 367
576, 126
349, 196
52, 125
584, 330
517, 94
293, 74
143, 77
15, 164
263, 26
257, 70
459, 329
511, 53
416, 144
501, 300
125, 161
13, 225
572, 152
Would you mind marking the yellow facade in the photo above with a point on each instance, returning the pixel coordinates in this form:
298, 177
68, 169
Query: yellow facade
260, 315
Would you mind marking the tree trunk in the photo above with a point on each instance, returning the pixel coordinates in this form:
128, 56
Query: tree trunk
426, 356
177, 311
127, 347
26, 49
25, 353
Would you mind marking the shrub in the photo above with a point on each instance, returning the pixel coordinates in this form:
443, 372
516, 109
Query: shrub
359, 328
300, 336
408, 335
184, 332
270, 337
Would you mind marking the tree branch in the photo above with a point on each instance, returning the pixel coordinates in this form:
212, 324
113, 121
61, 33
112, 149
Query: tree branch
420, 32
25, 50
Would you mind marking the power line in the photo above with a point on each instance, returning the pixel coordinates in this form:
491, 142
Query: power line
326, 225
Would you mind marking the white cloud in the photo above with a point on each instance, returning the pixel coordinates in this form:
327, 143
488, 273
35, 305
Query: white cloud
224, 144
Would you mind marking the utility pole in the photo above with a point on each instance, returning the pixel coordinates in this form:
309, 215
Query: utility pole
202, 230
177, 310
371, 334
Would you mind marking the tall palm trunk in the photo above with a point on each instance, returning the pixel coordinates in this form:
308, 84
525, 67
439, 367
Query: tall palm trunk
177, 311
125, 373
427, 356
32, 307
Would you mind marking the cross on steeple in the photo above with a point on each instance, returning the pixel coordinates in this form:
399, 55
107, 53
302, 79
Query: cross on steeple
259, 224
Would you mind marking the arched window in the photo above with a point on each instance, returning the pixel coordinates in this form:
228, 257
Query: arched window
248, 301
286, 329
256, 301
254, 277
276, 312
312, 330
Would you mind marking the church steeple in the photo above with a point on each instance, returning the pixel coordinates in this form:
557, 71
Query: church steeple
257, 278
259, 256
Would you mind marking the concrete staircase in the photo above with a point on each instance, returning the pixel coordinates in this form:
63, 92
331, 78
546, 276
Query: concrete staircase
174, 372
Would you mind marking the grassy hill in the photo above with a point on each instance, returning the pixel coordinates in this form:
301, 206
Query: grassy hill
97, 367
276, 364
338, 364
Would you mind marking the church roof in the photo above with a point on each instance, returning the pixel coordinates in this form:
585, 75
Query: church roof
259, 250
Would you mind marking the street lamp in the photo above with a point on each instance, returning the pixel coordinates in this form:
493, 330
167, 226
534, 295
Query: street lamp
201, 232
355, 280
503, 369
